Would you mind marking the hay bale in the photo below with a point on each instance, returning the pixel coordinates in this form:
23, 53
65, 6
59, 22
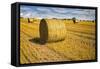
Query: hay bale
52, 30
30, 20
36, 20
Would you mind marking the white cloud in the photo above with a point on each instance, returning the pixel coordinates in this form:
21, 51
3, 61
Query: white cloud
60, 10
21, 14
25, 8
43, 9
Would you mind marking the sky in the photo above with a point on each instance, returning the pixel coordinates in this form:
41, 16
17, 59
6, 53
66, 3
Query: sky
56, 12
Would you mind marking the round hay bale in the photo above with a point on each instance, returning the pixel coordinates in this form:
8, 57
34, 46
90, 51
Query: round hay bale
52, 30
30, 20
36, 21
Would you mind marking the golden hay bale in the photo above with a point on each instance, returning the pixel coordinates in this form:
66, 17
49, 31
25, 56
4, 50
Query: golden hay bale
31, 20
52, 30
36, 21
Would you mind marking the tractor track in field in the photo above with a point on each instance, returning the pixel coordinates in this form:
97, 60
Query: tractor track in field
80, 32
26, 58
87, 36
61, 54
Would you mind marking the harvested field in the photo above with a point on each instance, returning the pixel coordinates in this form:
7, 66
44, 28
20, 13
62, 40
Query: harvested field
79, 43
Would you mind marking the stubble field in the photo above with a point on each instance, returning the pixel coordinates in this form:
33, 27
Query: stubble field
79, 43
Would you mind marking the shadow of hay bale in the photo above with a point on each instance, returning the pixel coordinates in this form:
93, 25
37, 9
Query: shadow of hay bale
38, 41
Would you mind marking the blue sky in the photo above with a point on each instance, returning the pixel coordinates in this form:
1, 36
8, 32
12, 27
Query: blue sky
55, 12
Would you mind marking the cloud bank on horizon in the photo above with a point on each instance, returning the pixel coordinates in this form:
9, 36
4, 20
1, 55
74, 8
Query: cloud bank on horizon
56, 12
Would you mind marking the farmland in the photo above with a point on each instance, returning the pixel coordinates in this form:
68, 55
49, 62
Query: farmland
79, 43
